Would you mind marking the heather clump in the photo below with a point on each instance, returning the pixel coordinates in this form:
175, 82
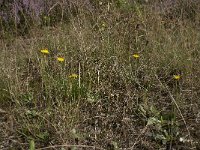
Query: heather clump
21, 15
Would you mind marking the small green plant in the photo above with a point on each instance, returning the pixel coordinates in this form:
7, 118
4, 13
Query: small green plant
163, 125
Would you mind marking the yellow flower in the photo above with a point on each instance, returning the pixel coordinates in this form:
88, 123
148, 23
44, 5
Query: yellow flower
74, 76
44, 51
60, 59
176, 77
136, 56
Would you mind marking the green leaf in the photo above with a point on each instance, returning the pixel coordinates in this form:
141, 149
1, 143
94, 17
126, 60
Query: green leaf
142, 109
160, 137
32, 145
154, 111
43, 135
153, 121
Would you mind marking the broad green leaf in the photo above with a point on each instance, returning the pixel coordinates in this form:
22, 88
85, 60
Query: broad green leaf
32, 145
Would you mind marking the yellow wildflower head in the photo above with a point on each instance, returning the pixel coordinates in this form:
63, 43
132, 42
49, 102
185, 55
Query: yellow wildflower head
60, 59
44, 51
176, 77
136, 56
74, 76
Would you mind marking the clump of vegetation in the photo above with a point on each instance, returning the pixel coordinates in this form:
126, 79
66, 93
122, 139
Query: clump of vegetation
103, 75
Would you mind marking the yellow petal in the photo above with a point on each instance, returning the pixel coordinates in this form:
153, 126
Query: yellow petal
136, 56
61, 59
177, 77
73, 76
44, 51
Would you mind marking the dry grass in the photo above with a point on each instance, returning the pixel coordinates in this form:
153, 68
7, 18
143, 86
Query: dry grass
112, 102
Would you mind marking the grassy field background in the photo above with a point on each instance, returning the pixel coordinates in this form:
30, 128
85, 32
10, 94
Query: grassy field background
129, 79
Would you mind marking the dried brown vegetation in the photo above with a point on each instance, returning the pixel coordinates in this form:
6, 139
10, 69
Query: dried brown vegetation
114, 101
